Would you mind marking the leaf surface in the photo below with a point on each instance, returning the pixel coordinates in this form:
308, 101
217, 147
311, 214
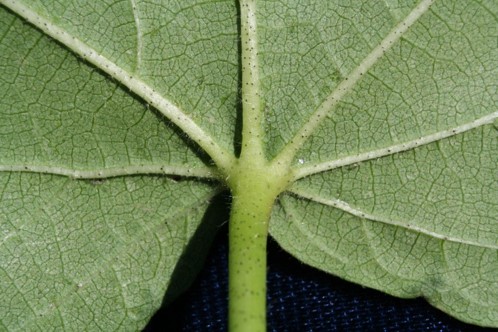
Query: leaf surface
388, 110
398, 185
99, 253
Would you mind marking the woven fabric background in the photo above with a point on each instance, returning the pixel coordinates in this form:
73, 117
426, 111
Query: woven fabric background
301, 299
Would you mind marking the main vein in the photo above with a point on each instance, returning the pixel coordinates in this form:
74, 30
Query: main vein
252, 133
325, 108
219, 155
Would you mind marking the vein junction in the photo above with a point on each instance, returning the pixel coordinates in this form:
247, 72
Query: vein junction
332, 100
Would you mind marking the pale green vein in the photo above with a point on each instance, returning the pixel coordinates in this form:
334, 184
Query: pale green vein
199, 172
219, 155
252, 133
313, 240
325, 108
395, 148
139, 34
344, 206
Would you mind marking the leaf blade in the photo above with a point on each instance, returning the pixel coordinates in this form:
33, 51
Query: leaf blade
432, 198
130, 79
398, 233
60, 116
111, 263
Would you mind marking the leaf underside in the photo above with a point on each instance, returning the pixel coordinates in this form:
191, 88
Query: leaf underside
396, 189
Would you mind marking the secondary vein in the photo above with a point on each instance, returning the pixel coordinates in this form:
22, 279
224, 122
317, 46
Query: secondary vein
200, 172
139, 34
337, 203
314, 240
392, 149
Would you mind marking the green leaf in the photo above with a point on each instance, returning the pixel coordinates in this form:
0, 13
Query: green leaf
94, 255
406, 224
406, 200
119, 119
102, 252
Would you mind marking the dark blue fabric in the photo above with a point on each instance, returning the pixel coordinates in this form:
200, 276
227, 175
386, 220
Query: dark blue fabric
300, 298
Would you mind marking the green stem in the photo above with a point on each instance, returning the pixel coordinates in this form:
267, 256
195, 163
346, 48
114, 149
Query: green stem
254, 184
254, 193
247, 262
